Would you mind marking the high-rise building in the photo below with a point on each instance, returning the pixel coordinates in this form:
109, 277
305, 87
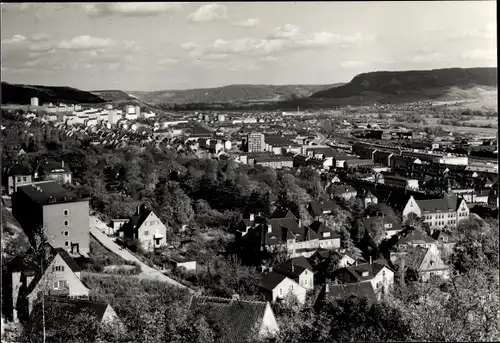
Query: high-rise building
34, 101
256, 142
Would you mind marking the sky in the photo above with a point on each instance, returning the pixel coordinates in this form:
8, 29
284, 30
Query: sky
167, 46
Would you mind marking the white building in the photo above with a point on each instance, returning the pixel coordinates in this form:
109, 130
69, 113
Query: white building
34, 101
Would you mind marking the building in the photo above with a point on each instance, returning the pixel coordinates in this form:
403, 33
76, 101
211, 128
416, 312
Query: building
317, 209
277, 287
243, 320
366, 198
398, 181
256, 142
52, 170
275, 161
63, 216
438, 213
389, 223
147, 228
343, 191
336, 291
421, 263
377, 273
17, 175
416, 238
298, 269
434, 157
58, 276
34, 101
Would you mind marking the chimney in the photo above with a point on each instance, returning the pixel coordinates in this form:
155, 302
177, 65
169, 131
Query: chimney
327, 288
300, 222
138, 209
269, 228
370, 260
252, 217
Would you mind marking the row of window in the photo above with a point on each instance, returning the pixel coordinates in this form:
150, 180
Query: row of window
152, 222
57, 268
24, 178
61, 284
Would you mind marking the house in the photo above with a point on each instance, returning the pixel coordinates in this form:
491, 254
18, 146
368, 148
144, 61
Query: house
390, 224
318, 209
327, 238
63, 216
116, 225
147, 228
366, 198
376, 272
52, 170
343, 191
416, 238
17, 175
445, 242
59, 275
243, 320
276, 287
298, 269
448, 211
421, 263
335, 291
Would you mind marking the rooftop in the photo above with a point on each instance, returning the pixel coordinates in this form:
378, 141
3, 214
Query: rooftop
48, 193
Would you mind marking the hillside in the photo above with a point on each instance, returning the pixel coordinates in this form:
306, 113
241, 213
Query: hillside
112, 95
231, 93
412, 85
21, 94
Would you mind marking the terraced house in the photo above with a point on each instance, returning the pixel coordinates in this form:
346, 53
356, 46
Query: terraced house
448, 211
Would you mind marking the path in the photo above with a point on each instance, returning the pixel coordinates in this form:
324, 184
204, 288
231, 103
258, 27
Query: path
96, 227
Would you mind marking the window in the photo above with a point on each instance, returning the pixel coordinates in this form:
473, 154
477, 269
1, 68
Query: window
65, 212
66, 223
18, 179
281, 291
25, 179
146, 233
58, 268
305, 282
66, 244
66, 233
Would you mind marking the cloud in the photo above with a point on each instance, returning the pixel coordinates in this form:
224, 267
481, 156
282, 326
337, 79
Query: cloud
285, 32
189, 46
352, 64
168, 61
480, 55
487, 32
39, 37
15, 39
130, 9
250, 22
427, 58
85, 42
209, 12
268, 59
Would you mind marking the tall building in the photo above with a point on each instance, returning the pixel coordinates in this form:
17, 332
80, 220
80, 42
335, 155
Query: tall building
34, 101
63, 216
256, 142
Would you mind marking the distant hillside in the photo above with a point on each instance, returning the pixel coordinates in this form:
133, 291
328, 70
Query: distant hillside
411, 85
112, 95
232, 93
21, 94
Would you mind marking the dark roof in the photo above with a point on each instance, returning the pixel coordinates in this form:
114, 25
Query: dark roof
340, 189
271, 280
18, 169
47, 193
416, 236
319, 228
239, 317
282, 213
317, 208
293, 267
445, 204
372, 269
136, 220
21, 263
442, 236
341, 291
68, 259
76, 306
49, 167
385, 220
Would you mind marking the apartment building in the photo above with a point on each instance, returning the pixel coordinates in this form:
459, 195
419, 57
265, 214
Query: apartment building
448, 211
63, 216
256, 142
275, 161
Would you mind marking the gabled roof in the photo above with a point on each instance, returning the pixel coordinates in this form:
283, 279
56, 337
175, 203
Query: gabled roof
342, 291
319, 228
372, 269
238, 317
340, 189
271, 280
317, 208
18, 169
385, 220
76, 306
282, 213
293, 267
416, 237
445, 204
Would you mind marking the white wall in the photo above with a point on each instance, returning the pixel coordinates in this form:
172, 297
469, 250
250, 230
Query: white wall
285, 287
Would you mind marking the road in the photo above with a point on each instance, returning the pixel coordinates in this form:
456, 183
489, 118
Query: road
96, 227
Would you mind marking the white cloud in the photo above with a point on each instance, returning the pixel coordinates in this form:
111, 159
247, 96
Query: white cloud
250, 22
480, 55
15, 39
189, 46
487, 32
85, 42
352, 64
268, 59
131, 9
286, 31
209, 12
426, 58
39, 37
41, 47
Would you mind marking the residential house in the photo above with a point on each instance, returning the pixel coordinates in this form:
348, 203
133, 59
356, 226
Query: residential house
421, 263
336, 291
62, 215
298, 269
52, 170
394, 180
116, 225
58, 275
243, 320
319, 208
445, 242
366, 198
276, 287
390, 224
322, 257
147, 228
448, 211
327, 238
343, 191
17, 175
416, 238
376, 272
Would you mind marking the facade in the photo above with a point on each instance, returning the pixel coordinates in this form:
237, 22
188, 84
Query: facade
243, 319
366, 198
63, 216
422, 263
275, 161
52, 170
298, 269
146, 227
256, 142
34, 101
59, 277
436, 157
276, 287
17, 175
448, 211
398, 181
